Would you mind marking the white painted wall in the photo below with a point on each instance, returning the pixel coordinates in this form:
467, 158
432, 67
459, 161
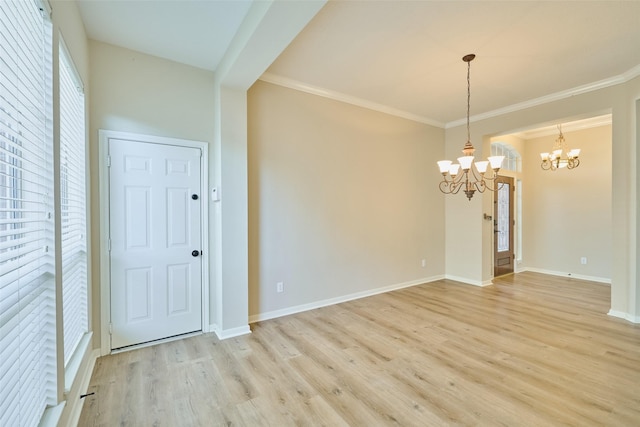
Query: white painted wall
342, 200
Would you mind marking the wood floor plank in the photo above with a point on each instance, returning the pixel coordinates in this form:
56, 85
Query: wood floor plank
532, 350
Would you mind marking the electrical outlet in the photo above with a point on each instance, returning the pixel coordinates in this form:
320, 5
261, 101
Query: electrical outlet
280, 287
583, 260
424, 263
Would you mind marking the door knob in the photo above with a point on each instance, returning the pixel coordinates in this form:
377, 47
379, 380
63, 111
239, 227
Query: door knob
195, 253
194, 196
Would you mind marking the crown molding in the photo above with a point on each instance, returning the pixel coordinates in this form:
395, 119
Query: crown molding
337, 96
612, 81
571, 126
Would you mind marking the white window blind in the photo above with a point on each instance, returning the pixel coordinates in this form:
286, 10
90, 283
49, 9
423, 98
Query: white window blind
27, 289
72, 206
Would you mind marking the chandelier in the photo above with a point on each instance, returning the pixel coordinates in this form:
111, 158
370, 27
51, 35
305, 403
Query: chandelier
559, 157
472, 178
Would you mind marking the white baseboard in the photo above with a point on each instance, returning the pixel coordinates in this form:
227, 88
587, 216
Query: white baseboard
625, 316
468, 281
337, 300
230, 333
604, 280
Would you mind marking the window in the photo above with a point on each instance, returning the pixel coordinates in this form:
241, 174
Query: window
518, 235
504, 217
72, 207
27, 288
511, 157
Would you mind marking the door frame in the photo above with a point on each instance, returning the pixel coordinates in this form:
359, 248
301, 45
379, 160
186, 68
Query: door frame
511, 181
105, 271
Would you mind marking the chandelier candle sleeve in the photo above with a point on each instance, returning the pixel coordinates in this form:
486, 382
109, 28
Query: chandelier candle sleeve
473, 177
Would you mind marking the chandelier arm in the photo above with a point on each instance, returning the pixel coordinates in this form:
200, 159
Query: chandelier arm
486, 180
486, 177
473, 173
491, 178
444, 186
573, 163
451, 185
457, 182
457, 188
480, 186
491, 187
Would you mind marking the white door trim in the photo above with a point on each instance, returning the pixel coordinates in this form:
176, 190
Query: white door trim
105, 271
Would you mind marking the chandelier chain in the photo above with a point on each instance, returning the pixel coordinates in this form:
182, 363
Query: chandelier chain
468, 99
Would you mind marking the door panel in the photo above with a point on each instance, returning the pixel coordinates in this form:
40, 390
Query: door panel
178, 292
156, 289
138, 297
178, 226
138, 221
503, 226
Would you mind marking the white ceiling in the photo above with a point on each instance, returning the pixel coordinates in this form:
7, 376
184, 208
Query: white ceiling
195, 33
405, 56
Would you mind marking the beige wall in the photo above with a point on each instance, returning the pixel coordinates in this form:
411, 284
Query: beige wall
134, 92
378, 201
266, 31
466, 255
342, 200
567, 213
139, 93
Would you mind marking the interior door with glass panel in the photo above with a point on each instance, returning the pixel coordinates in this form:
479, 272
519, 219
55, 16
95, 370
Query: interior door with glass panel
503, 222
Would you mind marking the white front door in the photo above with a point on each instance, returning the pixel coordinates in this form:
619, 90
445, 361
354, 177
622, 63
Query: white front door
155, 241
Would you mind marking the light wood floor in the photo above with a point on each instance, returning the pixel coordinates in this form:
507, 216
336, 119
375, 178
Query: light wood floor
532, 350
